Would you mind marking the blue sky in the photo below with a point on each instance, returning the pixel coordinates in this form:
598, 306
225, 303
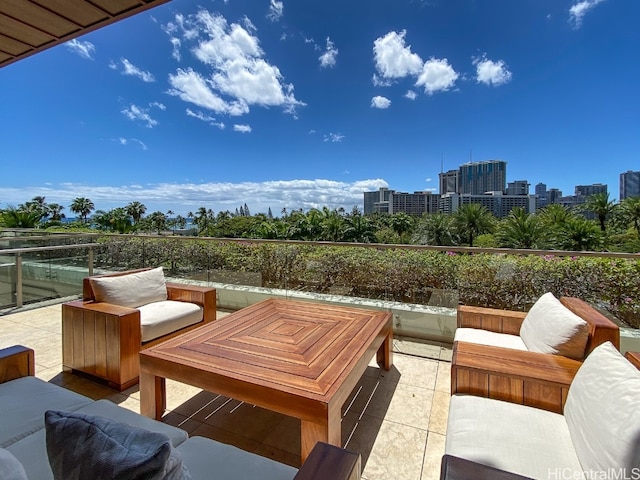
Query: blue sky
305, 104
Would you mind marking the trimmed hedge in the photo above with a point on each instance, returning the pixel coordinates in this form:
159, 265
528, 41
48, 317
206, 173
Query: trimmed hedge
406, 275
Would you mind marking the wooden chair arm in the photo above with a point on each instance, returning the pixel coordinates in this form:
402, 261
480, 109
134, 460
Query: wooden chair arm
16, 362
104, 307
601, 329
203, 296
634, 358
492, 319
329, 462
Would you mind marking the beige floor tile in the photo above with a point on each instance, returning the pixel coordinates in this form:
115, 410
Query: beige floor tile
410, 370
433, 456
178, 393
439, 412
419, 348
397, 453
443, 379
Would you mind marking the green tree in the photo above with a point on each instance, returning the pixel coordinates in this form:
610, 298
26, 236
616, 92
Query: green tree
12, 217
521, 230
600, 205
158, 221
55, 212
136, 210
630, 208
581, 235
359, 229
83, 207
472, 220
435, 229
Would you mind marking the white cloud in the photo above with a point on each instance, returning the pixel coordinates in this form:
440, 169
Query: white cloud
437, 76
328, 58
490, 72
334, 137
239, 75
129, 68
380, 102
276, 10
411, 95
84, 49
380, 82
393, 59
140, 143
175, 42
135, 112
159, 105
242, 128
205, 118
579, 9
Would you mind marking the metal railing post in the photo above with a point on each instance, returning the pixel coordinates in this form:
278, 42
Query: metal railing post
18, 280
90, 261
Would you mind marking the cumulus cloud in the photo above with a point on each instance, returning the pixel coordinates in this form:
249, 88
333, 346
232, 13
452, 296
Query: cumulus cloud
579, 9
276, 10
84, 49
205, 118
411, 95
129, 68
185, 197
490, 72
237, 75
136, 113
334, 137
380, 102
242, 128
437, 76
328, 58
393, 58
158, 105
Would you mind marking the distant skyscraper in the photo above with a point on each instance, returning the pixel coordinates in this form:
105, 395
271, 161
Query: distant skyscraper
449, 182
541, 195
518, 187
553, 195
377, 201
589, 190
629, 184
477, 178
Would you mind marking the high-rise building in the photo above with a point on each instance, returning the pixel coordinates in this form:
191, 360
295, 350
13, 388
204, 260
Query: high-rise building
541, 195
415, 203
629, 184
377, 201
477, 178
518, 187
553, 195
449, 182
589, 190
497, 203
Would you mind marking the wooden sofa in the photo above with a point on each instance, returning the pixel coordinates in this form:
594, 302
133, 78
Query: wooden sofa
103, 339
601, 329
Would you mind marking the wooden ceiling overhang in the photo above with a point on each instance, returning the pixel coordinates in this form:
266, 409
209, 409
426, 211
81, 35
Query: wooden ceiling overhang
30, 26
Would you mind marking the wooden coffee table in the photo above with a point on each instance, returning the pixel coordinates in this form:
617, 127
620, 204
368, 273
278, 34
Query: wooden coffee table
298, 358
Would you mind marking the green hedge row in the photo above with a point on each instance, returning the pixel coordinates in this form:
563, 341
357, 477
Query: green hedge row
493, 280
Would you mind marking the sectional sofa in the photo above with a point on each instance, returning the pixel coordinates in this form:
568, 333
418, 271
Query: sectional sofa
26, 441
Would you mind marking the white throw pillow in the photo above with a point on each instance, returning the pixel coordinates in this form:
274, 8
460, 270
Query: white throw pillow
603, 413
131, 290
550, 327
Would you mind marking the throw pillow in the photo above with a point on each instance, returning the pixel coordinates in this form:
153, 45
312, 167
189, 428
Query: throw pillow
10, 467
131, 290
550, 327
83, 446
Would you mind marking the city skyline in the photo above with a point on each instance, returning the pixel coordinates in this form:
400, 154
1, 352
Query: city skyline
278, 104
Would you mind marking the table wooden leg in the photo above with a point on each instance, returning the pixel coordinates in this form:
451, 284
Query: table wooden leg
329, 431
153, 395
384, 356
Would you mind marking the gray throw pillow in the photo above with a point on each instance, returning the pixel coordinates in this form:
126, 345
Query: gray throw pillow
83, 446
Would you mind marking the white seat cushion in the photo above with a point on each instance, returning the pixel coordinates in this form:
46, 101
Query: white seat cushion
603, 412
550, 327
131, 290
161, 318
515, 438
485, 337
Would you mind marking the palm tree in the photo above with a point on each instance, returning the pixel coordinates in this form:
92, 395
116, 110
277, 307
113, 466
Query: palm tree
435, 229
600, 205
13, 217
359, 229
158, 220
472, 220
136, 210
55, 211
630, 207
521, 230
401, 223
581, 234
83, 207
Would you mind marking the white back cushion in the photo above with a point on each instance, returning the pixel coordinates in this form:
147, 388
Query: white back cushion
603, 412
550, 327
131, 290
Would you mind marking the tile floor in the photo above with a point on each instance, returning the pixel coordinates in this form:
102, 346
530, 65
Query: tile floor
396, 420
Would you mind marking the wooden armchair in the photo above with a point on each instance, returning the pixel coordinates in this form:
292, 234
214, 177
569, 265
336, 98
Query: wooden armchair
103, 339
601, 329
